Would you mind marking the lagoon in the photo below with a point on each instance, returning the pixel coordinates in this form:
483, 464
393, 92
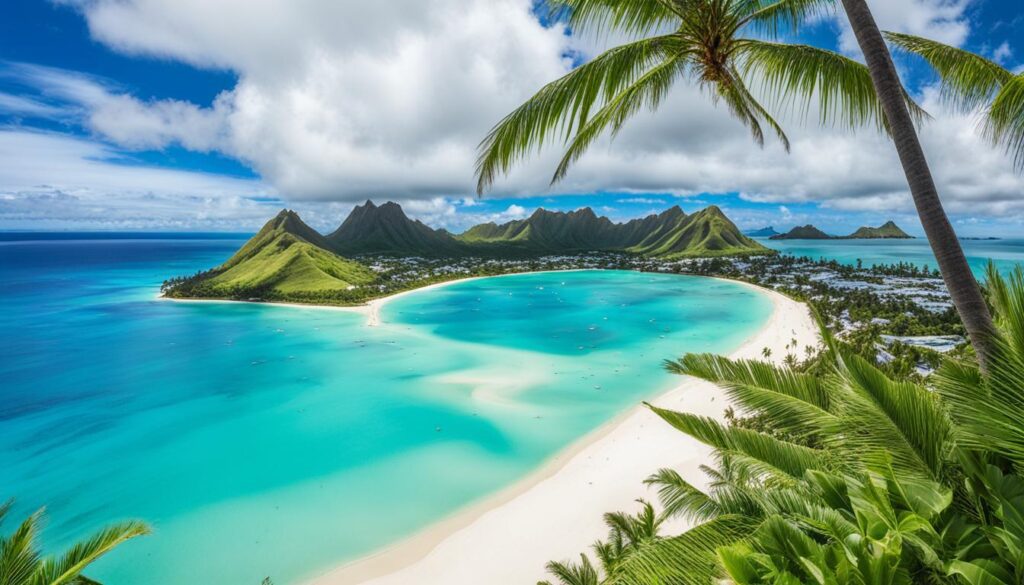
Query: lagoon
274, 441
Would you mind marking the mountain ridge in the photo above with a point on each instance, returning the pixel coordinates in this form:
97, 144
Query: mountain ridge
289, 260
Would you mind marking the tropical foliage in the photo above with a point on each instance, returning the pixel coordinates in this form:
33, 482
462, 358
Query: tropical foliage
718, 45
849, 476
22, 564
971, 82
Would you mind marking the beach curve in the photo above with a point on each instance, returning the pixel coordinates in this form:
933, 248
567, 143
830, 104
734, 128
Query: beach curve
556, 511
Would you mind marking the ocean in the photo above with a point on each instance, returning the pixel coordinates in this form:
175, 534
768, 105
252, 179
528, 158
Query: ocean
273, 441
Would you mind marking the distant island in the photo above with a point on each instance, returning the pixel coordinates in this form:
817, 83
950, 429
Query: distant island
289, 261
888, 230
765, 232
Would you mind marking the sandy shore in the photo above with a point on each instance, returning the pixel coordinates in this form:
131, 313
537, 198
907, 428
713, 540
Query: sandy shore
556, 512
371, 308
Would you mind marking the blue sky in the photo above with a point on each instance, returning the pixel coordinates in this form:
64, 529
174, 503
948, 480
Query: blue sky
163, 115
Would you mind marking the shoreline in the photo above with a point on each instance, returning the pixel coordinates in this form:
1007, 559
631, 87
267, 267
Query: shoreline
370, 308
509, 535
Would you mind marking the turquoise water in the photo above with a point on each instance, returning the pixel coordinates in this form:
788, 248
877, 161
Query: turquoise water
1005, 253
271, 441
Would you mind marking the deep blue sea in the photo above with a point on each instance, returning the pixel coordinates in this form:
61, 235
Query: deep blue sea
273, 441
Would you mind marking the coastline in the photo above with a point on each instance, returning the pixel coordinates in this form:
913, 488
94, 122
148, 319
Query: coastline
371, 308
509, 536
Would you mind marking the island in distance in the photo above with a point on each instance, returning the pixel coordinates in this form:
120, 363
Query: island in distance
888, 230
290, 261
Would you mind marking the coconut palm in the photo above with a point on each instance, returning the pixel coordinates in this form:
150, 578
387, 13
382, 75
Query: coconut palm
22, 564
971, 82
711, 43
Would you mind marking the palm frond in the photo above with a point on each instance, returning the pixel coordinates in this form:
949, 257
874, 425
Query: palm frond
631, 17
788, 458
721, 370
1005, 122
774, 16
565, 104
968, 80
746, 109
69, 566
1007, 298
570, 573
19, 556
685, 559
799, 76
988, 409
900, 419
646, 92
679, 498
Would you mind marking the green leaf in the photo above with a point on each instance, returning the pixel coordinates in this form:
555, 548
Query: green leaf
788, 458
685, 559
799, 76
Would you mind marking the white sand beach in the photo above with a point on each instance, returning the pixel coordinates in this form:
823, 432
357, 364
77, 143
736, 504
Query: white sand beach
556, 512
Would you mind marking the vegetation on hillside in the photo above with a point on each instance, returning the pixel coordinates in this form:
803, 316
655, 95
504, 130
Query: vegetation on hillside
285, 258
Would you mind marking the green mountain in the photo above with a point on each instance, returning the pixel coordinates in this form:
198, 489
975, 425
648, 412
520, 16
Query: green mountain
803, 232
705, 233
552, 232
670, 234
386, 229
765, 232
286, 257
887, 230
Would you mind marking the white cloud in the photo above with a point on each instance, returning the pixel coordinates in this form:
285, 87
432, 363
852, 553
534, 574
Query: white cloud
340, 101
942, 20
51, 180
1002, 53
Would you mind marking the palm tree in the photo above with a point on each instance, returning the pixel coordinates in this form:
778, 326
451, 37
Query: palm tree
704, 42
969, 82
963, 288
21, 563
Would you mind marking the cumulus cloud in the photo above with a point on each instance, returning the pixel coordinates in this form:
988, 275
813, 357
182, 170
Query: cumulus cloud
340, 101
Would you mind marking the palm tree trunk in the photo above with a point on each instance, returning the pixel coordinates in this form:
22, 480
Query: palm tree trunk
960, 282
